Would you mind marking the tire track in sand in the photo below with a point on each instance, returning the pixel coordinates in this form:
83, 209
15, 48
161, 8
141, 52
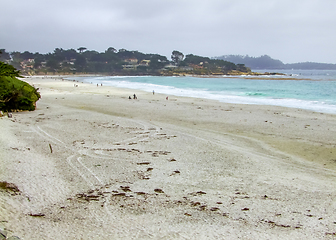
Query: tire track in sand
92, 180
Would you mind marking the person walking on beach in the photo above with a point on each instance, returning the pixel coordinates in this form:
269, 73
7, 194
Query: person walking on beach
153, 92
134, 96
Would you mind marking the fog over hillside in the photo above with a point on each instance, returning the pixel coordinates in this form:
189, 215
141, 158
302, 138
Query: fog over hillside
266, 62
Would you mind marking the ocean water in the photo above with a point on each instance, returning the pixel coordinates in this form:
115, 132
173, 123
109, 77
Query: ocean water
313, 90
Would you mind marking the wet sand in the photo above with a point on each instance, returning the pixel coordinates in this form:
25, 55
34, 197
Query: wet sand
90, 163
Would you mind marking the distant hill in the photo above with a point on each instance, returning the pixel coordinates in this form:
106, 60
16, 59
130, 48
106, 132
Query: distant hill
266, 62
118, 62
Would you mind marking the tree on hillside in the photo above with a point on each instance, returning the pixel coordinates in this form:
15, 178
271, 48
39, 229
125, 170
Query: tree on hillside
111, 49
4, 55
61, 54
58, 54
80, 63
16, 56
16, 59
194, 59
157, 61
90, 54
125, 54
27, 55
177, 57
108, 56
37, 62
53, 64
81, 49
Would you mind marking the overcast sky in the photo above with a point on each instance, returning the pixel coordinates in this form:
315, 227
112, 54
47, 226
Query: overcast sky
288, 30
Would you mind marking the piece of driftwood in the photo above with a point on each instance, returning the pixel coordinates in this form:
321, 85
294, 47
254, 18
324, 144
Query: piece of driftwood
36, 214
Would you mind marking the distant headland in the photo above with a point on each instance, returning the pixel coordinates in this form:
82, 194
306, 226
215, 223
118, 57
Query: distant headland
266, 62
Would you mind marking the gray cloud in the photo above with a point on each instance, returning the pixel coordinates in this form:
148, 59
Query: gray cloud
292, 31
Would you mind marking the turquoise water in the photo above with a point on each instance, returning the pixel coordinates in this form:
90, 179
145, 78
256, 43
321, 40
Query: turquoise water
317, 92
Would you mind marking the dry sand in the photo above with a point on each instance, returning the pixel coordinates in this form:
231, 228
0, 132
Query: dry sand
92, 164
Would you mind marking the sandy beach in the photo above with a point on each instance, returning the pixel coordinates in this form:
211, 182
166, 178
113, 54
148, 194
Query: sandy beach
89, 163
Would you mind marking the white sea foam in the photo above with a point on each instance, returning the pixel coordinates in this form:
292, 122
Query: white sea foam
222, 96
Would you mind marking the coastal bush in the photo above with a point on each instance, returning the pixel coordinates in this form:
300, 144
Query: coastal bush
7, 70
14, 93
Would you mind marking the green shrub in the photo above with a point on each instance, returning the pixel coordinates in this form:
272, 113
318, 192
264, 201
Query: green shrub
14, 93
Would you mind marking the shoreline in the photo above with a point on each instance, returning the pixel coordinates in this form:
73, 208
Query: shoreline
257, 76
95, 164
309, 105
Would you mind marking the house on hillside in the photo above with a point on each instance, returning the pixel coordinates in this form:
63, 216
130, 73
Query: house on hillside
170, 66
130, 67
27, 64
186, 68
195, 66
131, 60
145, 63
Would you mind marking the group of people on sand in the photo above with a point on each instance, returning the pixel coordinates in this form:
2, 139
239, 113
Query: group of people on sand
135, 97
